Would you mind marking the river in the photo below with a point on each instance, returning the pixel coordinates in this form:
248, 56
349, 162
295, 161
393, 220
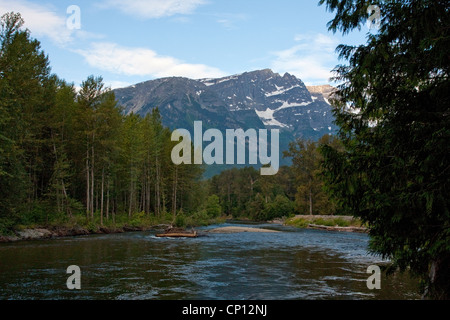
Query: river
292, 264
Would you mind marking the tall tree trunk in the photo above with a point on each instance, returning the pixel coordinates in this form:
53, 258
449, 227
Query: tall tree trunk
101, 196
107, 199
229, 198
157, 191
310, 198
175, 182
252, 182
69, 210
142, 198
148, 187
92, 182
131, 192
113, 211
147, 192
88, 191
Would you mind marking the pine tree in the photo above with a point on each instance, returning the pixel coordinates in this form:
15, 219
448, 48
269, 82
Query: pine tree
60, 120
24, 78
310, 195
392, 108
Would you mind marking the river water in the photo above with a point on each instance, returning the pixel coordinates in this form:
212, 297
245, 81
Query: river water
292, 264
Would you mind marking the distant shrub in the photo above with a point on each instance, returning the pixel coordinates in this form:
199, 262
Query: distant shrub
199, 218
297, 222
6, 226
280, 207
180, 220
212, 207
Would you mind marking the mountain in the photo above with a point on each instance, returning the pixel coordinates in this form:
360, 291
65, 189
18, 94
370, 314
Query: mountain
282, 102
323, 93
258, 99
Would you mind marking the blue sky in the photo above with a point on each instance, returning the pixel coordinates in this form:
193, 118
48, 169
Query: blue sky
127, 42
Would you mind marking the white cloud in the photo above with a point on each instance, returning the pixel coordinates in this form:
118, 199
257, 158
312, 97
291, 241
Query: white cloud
153, 8
40, 20
230, 21
311, 59
142, 62
45, 21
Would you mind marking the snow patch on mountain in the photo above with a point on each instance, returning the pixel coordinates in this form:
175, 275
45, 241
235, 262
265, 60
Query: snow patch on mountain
268, 119
286, 104
280, 90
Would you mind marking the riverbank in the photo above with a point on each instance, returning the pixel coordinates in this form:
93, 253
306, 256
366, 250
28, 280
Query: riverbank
79, 226
287, 265
329, 223
63, 231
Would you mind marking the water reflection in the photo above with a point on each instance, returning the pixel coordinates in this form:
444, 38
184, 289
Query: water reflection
293, 264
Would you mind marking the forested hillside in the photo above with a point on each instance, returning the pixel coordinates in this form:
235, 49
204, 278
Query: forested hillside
63, 152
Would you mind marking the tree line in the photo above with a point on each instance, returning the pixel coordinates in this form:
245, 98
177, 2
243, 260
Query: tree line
392, 110
295, 189
64, 151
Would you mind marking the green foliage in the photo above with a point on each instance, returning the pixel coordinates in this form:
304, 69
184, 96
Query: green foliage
199, 218
256, 208
297, 222
244, 193
24, 74
212, 207
394, 169
6, 226
310, 197
137, 219
91, 226
37, 215
63, 152
280, 207
180, 220
303, 222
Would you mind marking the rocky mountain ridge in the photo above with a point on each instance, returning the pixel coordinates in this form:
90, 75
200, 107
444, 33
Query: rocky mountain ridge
257, 99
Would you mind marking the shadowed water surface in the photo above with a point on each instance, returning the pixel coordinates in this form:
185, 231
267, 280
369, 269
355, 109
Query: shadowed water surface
292, 264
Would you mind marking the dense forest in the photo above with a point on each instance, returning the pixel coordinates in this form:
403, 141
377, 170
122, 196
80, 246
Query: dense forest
65, 151
392, 110
68, 153
298, 188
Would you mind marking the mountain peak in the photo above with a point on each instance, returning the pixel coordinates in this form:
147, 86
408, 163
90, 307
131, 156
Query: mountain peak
264, 71
254, 99
326, 91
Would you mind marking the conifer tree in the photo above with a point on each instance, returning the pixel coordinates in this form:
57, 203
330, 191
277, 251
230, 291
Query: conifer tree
392, 108
24, 76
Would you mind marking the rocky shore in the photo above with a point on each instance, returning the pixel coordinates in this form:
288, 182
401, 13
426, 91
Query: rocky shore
58, 232
64, 231
337, 228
